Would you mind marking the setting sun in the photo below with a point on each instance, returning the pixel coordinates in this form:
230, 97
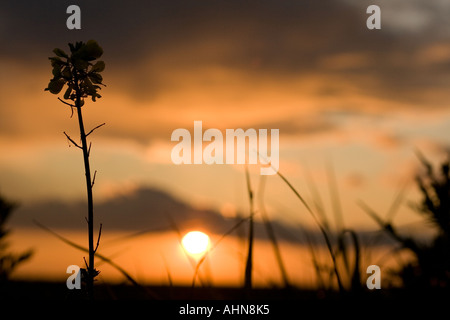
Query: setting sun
195, 242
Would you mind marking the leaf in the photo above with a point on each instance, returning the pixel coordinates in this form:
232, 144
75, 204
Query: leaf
55, 61
80, 64
56, 71
55, 86
66, 73
90, 51
67, 93
95, 96
99, 66
88, 87
60, 53
94, 49
96, 78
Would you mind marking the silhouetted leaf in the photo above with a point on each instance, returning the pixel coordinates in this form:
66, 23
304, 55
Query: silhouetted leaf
56, 71
99, 66
55, 61
94, 96
80, 64
67, 93
90, 51
66, 73
96, 78
60, 53
55, 86
88, 87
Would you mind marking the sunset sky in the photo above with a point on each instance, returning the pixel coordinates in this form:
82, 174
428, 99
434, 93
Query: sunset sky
359, 100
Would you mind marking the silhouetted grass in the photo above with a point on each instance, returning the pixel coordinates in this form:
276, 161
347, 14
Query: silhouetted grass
214, 246
342, 245
103, 258
323, 231
249, 262
431, 268
271, 233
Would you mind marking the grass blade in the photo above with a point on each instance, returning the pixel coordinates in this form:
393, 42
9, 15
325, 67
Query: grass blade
271, 234
322, 230
249, 263
103, 258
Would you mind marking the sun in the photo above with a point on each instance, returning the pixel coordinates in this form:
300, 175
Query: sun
195, 242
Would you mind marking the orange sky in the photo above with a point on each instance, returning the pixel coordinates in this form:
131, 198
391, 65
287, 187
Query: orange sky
167, 262
362, 100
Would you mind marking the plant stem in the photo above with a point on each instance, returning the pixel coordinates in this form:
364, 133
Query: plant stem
90, 219
249, 263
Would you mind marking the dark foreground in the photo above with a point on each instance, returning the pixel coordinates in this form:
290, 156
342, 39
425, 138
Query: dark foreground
164, 302
58, 291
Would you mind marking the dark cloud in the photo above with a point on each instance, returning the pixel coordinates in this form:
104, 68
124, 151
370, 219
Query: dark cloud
144, 210
149, 210
230, 53
288, 39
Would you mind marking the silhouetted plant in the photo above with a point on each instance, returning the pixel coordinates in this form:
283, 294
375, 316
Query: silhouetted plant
431, 267
8, 261
81, 74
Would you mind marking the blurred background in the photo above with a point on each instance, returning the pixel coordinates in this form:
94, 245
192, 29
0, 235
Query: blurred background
353, 107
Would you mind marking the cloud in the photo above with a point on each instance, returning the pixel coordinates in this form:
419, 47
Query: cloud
147, 210
157, 49
136, 210
299, 125
309, 68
